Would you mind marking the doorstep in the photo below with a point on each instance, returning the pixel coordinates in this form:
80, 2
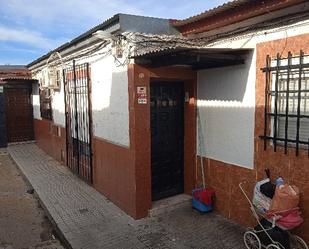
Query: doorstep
169, 204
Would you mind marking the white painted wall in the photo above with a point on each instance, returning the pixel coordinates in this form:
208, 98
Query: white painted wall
36, 101
110, 110
226, 100
59, 107
110, 101
57, 102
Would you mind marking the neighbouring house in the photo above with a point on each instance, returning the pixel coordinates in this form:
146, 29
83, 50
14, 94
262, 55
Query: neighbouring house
16, 114
132, 104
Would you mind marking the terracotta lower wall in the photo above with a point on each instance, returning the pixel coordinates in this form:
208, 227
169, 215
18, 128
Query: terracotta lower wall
295, 170
224, 179
113, 174
47, 138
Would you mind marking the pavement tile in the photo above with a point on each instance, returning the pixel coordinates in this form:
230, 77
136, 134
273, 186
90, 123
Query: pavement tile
89, 220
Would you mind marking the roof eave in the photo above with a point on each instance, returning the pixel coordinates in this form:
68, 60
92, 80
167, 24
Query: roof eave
109, 22
229, 13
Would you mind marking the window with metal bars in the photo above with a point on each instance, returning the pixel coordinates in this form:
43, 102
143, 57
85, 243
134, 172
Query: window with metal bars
287, 102
45, 104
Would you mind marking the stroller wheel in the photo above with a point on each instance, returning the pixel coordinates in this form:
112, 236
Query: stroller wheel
272, 246
252, 241
298, 243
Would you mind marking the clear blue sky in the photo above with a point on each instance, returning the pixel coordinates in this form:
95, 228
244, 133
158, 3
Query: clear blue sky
30, 28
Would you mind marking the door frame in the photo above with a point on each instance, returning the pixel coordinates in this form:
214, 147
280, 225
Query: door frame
140, 136
180, 85
189, 79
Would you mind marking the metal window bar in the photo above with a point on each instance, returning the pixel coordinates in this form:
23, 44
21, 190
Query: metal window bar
301, 58
45, 104
276, 104
267, 83
287, 104
291, 93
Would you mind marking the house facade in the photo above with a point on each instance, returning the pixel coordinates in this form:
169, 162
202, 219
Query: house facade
133, 104
84, 110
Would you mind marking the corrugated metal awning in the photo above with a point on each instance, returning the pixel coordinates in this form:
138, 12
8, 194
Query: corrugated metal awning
197, 58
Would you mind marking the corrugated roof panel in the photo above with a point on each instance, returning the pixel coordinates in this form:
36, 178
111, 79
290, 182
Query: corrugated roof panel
211, 12
149, 43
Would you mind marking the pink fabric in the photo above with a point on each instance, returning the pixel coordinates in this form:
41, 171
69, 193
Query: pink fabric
288, 219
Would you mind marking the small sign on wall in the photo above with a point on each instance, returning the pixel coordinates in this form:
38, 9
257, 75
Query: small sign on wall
1, 89
141, 94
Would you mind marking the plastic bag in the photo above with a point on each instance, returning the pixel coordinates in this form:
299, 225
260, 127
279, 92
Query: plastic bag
260, 201
268, 188
286, 197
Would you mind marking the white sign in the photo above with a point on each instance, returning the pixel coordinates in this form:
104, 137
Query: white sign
142, 101
141, 94
141, 90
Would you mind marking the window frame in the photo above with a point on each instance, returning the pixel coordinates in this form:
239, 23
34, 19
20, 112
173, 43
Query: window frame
273, 71
46, 99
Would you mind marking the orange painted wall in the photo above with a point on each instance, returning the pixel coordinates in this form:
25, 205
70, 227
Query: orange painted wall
46, 136
113, 174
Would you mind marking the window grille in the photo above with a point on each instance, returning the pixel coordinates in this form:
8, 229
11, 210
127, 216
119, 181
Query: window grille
287, 102
45, 104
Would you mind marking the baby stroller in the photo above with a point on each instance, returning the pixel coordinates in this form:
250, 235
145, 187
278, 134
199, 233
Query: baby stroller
267, 234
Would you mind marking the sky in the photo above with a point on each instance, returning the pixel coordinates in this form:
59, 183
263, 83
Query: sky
31, 28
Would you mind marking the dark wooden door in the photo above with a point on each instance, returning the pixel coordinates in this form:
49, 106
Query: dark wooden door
19, 114
166, 139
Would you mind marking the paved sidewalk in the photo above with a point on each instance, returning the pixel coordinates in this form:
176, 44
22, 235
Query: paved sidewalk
88, 220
